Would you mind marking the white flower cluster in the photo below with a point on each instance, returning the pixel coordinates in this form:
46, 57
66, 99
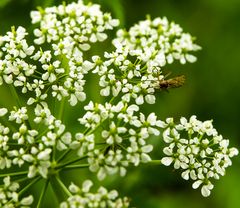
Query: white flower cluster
25, 145
198, 150
69, 30
13, 67
82, 197
72, 26
9, 198
113, 135
157, 42
135, 67
122, 137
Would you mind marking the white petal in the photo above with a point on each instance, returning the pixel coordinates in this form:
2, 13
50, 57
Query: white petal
84, 46
196, 184
190, 58
145, 158
150, 99
205, 191
147, 148
185, 175
27, 200
86, 186
139, 100
73, 188
73, 100
167, 161
3, 112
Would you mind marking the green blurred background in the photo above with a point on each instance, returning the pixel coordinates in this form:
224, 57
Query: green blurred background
211, 91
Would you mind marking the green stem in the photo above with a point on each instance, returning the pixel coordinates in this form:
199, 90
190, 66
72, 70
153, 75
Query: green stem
60, 195
143, 69
63, 76
63, 155
122, 147
155, 162
39, 137
35, 76
42, 194
95, 129
14, 174
64, 188
15, 95
40, 73
8, 124
136, 61
29, 185
28, 124
70, 167
100, 143
86, 130
53, 154
112, 99
21, 179
71, 162
15, 144
25, 188
61, 109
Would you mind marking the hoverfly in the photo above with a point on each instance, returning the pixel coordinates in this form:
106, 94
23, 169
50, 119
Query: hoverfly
165, 84
174, 82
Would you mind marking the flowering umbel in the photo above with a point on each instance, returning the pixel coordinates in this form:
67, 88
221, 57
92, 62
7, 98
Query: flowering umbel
197, 149
82, 197
37, 145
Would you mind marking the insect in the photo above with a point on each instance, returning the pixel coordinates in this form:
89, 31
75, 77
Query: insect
174, 82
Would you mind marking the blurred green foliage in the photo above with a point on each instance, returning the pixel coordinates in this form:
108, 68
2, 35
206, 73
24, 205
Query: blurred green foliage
211, 92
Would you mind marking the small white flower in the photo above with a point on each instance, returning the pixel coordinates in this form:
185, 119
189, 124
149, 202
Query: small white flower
19, 115
190, 143
85, 197
27, 201
3, 112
